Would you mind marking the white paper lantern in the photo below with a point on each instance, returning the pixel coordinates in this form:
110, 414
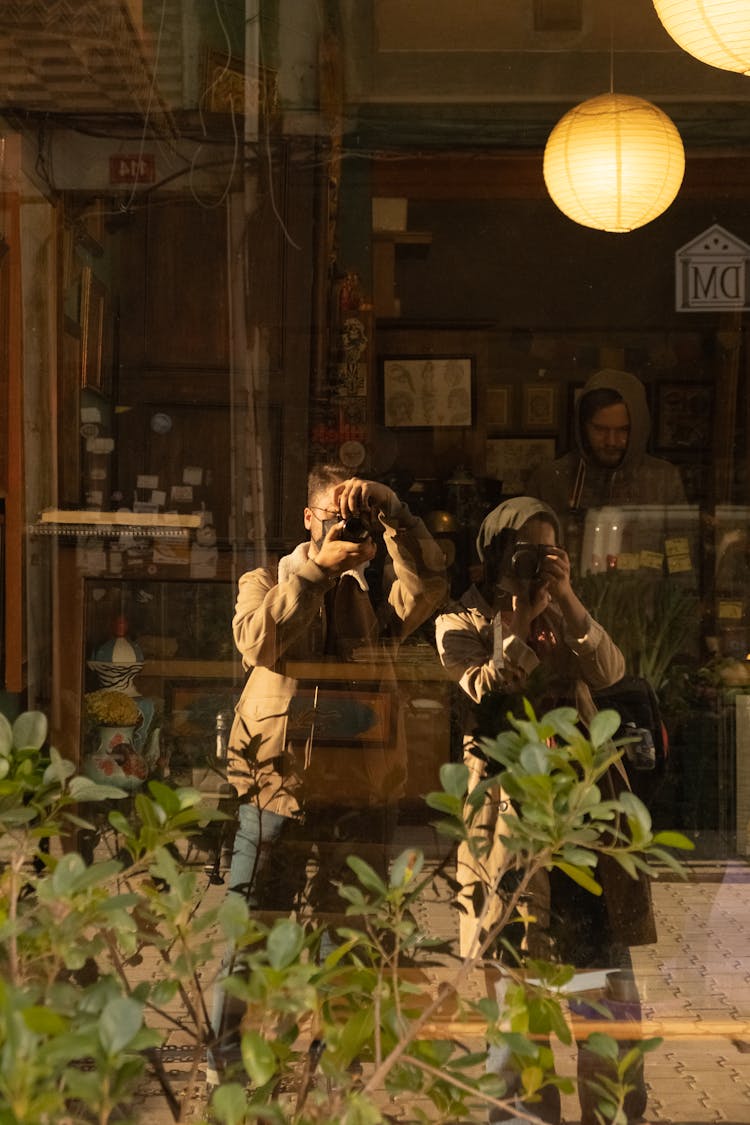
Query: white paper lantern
614, 162
715, 31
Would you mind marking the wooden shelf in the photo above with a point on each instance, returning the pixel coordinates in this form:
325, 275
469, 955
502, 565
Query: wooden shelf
193, 669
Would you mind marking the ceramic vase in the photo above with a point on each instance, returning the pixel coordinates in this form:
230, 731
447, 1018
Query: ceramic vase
116, 759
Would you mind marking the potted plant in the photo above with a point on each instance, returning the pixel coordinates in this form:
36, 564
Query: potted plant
112, 719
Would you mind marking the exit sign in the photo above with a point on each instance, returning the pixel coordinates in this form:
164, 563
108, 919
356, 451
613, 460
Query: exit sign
132, 169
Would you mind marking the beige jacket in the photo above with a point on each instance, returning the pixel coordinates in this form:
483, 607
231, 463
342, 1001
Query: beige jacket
465, 637
330, 722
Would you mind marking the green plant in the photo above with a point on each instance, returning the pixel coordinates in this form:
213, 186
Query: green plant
653, 621
75, 1039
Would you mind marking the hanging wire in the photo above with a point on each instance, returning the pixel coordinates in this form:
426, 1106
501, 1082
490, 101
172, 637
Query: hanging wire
152, 87
210, 206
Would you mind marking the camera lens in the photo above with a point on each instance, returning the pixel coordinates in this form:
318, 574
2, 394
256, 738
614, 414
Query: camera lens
354, 530
527, 561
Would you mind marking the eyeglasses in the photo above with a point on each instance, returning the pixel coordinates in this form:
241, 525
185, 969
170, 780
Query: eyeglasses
326, 513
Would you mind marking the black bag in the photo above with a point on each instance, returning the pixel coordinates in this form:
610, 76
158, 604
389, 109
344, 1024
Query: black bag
635, 702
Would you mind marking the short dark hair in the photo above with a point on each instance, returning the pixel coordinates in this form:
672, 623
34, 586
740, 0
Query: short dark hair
594, 401
324, 476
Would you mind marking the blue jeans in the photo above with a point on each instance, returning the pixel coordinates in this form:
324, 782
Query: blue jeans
270, 869
257, 831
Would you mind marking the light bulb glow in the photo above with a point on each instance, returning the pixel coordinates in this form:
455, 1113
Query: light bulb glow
716, 32
614, 162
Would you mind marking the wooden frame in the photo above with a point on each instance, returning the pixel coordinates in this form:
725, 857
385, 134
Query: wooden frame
69, 447
540, 406
511, 460
499, 406
684, 413
427, 392
93, 301
335, 716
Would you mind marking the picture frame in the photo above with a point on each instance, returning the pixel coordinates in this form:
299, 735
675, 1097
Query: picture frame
499, 406
511, 460
684, 413
540, 407
339, 718
428, 391
92, 313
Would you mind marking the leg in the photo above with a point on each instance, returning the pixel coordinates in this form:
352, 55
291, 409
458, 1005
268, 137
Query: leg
583, 937
257, 832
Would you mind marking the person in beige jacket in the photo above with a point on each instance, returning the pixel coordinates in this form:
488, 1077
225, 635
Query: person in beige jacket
317, 750
513, 636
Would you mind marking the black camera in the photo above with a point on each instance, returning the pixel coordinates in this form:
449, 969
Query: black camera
355, 530
639, 749
527, 561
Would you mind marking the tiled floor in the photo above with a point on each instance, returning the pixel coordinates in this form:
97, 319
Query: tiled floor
695, 986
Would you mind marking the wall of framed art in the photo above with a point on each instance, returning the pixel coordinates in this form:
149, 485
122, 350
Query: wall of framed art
524, 388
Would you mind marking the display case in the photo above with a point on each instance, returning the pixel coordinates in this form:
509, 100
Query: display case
173, 641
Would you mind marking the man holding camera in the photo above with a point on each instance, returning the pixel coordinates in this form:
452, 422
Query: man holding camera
319, 639
522, 632
317, 749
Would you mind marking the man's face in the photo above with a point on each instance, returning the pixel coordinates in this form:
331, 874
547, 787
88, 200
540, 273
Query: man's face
608, 433
321, 515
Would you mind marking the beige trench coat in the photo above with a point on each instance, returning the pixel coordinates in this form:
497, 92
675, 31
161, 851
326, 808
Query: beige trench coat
465, 641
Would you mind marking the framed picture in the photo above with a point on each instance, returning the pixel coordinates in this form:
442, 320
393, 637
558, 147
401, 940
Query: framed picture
498, 407
540, 406
683, 416
427, 391
338, 717
512, 460
93, 295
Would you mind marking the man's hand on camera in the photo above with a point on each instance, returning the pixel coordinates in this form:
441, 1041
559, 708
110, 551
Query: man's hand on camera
356, 496
337, 555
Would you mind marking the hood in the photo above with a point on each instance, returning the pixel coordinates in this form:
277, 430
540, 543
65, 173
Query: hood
633, 394
511, 516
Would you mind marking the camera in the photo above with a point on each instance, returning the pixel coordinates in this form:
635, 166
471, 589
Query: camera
355, 530
639, 749
527, 561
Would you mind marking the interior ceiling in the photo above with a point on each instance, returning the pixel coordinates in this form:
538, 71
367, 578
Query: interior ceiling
75, 56
428, 73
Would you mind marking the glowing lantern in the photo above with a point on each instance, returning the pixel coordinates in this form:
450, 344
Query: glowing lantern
614, 162
715, 31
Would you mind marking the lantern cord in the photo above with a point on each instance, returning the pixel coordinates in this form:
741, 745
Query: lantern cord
611, 46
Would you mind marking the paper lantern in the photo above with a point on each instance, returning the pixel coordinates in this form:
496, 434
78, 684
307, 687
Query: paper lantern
614, 162
715, 31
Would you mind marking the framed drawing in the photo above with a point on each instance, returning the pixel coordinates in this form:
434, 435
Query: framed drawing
338, 717
427, 391
683, 416
540, 406
93, 294
512, 460
498, 406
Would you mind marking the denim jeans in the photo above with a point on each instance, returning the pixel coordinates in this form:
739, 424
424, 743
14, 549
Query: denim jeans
271, 868
257, 832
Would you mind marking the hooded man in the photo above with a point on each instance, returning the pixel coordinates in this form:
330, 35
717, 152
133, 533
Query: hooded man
609, 464
610, 469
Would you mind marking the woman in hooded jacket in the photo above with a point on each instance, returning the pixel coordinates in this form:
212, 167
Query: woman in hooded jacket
511, 637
